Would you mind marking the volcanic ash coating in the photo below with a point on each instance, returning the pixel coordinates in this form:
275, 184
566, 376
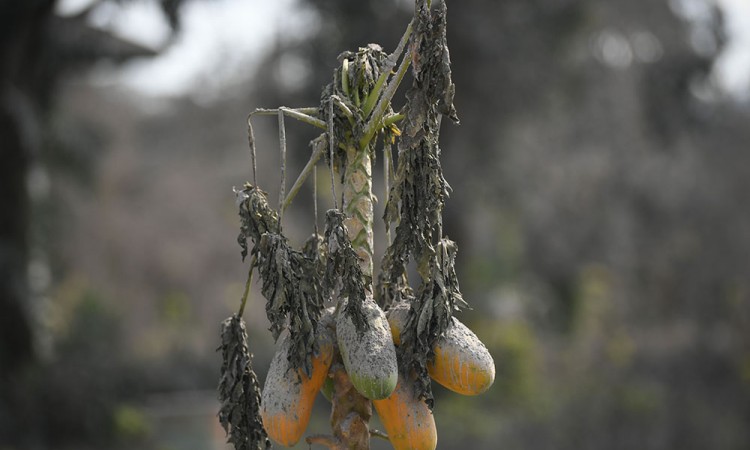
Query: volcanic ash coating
462, 362
288, 395
397, 315
369, 357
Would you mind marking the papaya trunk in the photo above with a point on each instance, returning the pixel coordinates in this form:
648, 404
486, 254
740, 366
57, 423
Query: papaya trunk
351, 411
350, 414
358, 204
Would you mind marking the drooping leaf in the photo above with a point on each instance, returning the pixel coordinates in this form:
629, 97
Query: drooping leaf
239, 390
291, 279
256, 216
291, 286
418, 194
343, 269
416, 202
430, 314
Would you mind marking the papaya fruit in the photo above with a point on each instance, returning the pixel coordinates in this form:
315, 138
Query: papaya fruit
462, 363
407, 419
288, 395
369, 357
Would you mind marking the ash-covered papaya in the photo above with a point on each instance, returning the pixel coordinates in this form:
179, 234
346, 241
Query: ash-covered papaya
462, 363
407, 419
369, 355
288, 395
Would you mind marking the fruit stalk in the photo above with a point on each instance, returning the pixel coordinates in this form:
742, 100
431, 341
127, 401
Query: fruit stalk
350, 414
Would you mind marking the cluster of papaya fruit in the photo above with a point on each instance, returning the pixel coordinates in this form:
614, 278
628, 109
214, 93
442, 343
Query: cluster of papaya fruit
461, 363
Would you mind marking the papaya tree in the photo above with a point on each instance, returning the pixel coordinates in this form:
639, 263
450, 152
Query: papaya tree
363, 338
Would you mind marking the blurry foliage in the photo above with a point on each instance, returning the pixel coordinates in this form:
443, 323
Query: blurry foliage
66, 360
78, 382
176, 309
86, 389
93, 329
513, 345
131, 423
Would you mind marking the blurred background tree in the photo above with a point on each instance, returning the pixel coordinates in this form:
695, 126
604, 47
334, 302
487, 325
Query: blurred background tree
600, 179
38, 50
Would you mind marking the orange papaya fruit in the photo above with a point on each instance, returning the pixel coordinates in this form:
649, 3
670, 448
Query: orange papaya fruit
462, 363
288, 395
407, 419
369, 357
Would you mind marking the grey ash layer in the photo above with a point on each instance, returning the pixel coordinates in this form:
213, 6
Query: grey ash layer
370, 357
457, 340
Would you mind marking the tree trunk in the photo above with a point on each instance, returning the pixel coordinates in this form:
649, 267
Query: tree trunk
351, 411
15, 331
21, 25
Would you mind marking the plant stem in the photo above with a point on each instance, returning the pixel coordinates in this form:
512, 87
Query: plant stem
390, 120
387, 181
379, 434
358, 200
345, 77
282, 148
331, 139
327, 441
248, 282
251, 144
345, 109
314, 158
308, 110
391, 63
295, 113
351, 412
373, 124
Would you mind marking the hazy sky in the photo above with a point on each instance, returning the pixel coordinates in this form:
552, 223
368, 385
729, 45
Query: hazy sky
222, 37
733, 67
219, 38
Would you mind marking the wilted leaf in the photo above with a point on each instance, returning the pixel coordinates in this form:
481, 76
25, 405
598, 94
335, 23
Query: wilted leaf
430, 314
239, 391
256, 216
291, 280
416, 203
343, 268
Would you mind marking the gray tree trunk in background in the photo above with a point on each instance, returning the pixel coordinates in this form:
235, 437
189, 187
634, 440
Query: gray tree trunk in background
21, 25
36, 49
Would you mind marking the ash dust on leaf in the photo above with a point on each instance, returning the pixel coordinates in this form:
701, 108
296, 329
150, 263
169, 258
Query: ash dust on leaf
239, 391
416, 203
291, 281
